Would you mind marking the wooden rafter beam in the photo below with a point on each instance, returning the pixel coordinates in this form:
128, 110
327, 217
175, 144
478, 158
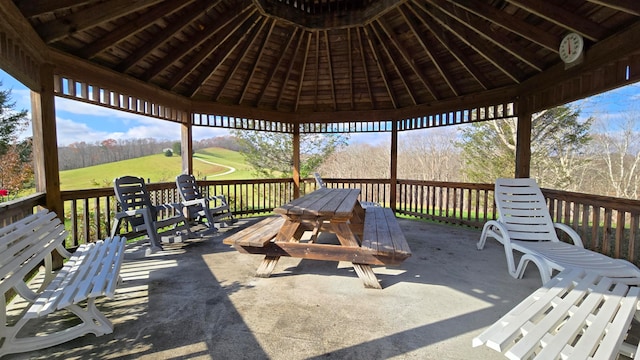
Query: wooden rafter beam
477, 43
629, 6
302, 71
330, 68
212, 36
350, 68
132, 27
274, 70
226, 28
394, 64
413, 26
617, 46
444, 39
511, 23
30, 8
361, 46
563, 18
381, 70
315, 101
482, 28
223, 52
59, 28
158, 40
408, 58
242, 51
257, 61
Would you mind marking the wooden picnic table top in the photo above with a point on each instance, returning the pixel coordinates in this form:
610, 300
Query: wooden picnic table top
322, 203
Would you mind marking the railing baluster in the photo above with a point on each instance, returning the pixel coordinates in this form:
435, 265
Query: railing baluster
90, 218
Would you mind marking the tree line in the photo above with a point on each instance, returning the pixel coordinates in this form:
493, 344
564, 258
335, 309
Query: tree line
83, 154
595, 155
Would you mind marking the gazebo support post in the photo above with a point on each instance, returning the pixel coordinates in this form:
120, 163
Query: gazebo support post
394, 165
296, 162
186, 147
523, 144
45, 147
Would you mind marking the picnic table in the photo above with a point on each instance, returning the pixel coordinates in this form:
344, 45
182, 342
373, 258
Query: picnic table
364, 238
578, 314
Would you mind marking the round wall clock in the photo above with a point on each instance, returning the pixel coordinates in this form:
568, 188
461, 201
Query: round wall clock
571, 47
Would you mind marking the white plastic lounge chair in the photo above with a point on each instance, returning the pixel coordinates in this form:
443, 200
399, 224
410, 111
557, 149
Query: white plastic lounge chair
364, 204
525, 225
215, 209
142, 215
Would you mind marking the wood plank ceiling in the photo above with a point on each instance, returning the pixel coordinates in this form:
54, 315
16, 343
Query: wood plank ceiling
306, 56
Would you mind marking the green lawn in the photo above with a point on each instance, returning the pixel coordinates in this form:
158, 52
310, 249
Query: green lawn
158, 168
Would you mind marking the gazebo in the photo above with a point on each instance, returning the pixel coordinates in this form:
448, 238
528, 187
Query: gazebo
321, 66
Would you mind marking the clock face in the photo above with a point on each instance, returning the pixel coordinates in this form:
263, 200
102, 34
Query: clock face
571, 47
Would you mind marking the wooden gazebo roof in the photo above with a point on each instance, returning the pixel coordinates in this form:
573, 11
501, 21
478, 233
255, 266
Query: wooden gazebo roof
324, 63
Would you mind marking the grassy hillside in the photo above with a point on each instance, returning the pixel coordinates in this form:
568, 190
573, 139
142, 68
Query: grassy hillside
211, 162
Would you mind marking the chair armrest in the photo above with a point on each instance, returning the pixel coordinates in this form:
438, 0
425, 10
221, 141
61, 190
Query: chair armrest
129, 213
202, 202
572, 234
176, 207
218, 203
220, 198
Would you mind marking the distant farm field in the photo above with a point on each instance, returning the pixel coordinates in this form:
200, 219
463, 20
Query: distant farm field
212, 163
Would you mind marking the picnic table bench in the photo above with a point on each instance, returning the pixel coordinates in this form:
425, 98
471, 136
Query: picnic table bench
91, 271
371, 237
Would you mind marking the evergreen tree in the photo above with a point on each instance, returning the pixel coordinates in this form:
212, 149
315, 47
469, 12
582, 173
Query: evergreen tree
557, 142
12, 122
270, 154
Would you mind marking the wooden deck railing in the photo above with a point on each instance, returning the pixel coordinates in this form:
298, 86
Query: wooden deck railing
606, 224
14, 210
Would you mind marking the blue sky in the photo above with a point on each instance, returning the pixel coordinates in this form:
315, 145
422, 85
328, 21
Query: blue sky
77, 121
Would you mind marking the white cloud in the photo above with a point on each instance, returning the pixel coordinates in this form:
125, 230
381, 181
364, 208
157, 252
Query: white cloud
202, 132
82, 108
70, 131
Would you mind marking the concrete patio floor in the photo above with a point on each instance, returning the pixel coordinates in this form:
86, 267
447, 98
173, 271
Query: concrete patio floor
201, 300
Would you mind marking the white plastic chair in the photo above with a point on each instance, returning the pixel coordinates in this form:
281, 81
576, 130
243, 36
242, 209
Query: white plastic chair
525, 225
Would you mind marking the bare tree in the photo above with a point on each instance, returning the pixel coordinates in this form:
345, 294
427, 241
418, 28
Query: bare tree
558, 139
358, 161
617, 149
429, 154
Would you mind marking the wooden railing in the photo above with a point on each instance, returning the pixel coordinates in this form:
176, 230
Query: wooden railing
606, 224
14, 210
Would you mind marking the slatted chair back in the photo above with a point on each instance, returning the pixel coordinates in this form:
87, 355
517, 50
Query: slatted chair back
26, 243
523, 210
319, 181
188, 187
131, 192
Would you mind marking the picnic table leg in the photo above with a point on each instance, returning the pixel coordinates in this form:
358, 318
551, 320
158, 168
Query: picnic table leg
290, 231
347, 238
367, 276
266, 266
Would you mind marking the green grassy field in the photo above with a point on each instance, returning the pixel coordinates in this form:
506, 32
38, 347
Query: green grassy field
159, 168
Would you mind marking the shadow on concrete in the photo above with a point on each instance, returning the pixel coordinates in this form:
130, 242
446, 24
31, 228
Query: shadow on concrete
201, 299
